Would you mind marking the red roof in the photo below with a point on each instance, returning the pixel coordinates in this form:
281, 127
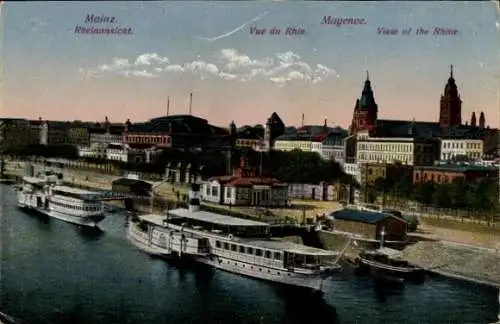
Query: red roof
233, 181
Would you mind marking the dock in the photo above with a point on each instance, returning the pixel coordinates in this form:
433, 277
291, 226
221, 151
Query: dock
458, 261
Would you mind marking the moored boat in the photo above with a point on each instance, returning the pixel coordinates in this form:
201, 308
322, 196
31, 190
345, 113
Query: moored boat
46, 195
232, 244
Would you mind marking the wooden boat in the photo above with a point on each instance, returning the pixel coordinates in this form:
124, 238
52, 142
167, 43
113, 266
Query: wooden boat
384, 264
387, 264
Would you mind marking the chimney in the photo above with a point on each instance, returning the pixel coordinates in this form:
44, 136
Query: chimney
482, 120
473, 120
326, 124
168, 106
302, 121
194, 198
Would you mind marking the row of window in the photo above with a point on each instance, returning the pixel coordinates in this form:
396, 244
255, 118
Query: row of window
248, 250
472, 155
393, 147
460, 145
433, 177
371, 157
148, 139
76, 207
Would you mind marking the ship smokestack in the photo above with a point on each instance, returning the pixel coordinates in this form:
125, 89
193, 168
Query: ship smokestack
194, 198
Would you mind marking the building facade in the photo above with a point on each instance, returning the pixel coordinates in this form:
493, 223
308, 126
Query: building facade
446, 173
370, 172
407, 150
54, 133
178, 131
15, 133
333, 147
243, 188
469, 148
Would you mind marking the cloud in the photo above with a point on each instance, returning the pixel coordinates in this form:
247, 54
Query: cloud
229, 64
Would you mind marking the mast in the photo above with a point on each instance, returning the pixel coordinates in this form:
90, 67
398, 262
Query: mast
190, 102
168, 106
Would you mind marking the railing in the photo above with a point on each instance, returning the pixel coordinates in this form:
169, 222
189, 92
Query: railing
488, 218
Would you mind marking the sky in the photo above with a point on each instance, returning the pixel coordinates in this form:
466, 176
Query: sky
208, 49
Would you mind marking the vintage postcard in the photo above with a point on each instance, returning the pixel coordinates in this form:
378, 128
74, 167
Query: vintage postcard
249, 162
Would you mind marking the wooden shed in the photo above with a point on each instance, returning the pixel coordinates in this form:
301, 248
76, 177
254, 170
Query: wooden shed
370, 224
137, 187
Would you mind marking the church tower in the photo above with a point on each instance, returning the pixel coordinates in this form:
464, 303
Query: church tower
473, 122
482, 120
365, 110
450, 108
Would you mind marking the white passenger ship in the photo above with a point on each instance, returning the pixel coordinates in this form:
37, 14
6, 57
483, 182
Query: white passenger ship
237, 245
46, 195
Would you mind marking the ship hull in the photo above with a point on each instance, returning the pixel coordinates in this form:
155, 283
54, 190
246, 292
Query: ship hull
90, 221
312, 282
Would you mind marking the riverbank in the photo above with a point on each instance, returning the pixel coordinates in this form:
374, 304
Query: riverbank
465, 260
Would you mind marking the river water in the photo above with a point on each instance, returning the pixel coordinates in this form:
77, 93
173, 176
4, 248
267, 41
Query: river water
54, 272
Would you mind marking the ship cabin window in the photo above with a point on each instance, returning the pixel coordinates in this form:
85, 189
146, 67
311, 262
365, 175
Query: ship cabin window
233, 247
268, 254
258, 252
277, 256
226, 246
249, 250
241, 249
217, 244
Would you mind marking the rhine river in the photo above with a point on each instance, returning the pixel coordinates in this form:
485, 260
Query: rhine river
54, 272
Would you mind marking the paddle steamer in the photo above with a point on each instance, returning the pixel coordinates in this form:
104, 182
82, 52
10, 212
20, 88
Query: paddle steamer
232, 244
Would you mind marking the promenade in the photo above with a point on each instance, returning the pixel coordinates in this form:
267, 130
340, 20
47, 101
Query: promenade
464, 251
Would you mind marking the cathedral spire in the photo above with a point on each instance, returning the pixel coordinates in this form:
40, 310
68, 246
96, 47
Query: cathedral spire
473, 122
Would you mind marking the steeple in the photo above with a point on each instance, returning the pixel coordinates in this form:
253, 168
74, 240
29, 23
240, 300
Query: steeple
473, 120
450, 108
367, 100
365, 110
482, 120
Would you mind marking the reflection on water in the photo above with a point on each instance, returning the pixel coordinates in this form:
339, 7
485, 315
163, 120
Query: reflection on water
54, 272
92, 233
302, 306
387, 288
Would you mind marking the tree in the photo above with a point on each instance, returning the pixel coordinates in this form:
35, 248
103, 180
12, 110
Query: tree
442, 196
424, 192
458, 190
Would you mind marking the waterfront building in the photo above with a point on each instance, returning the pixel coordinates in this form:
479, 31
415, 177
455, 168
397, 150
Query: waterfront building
333, 146
93, 151
54, 132
352, 168
78, 133
453, 147
15, 132
131, 186
249, 137
178, 131
107, 133
124, 153
369, 224
394, 146
243, 188
445, 173
310, 138
370, 172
